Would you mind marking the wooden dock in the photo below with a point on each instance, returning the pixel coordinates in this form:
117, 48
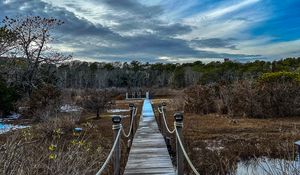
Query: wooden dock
148, 154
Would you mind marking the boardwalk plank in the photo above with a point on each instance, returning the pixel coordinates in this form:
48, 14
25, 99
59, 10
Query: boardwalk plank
149, 153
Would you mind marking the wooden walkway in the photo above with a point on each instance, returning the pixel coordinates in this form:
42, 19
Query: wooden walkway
148, 154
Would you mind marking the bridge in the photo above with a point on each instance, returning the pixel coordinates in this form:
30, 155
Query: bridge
148, 153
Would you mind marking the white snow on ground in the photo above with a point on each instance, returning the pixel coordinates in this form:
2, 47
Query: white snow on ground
122, 116
70, 108
13, 116
117, 110
8, 127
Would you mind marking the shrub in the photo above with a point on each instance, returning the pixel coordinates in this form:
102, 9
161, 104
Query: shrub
238, 98
44, 100
199, 99
279, 94
8, 97
96, 100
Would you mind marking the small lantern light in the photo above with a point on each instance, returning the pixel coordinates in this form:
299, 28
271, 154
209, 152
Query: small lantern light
116, 119
178, 116
131, 105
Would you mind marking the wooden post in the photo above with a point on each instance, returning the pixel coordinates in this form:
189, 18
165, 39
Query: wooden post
159, 117
117, 153
162, 119
297, 143
126, 95
162, 124
179, 154
132, 119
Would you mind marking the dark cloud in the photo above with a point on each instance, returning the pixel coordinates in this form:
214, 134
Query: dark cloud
154, 37
134, 7
214, 43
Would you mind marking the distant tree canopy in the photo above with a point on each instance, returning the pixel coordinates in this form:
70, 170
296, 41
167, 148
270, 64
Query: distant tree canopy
77, 74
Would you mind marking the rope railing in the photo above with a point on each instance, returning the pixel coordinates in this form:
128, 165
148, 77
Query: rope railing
178, 124
133, 115
136, 109
118, 129
110, 154
165, 121
184, 152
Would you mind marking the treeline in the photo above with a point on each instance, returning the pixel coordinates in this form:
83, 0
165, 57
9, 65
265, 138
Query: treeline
33, 76
77, 74
275, 94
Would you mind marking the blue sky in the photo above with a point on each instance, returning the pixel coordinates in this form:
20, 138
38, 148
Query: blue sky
169, 30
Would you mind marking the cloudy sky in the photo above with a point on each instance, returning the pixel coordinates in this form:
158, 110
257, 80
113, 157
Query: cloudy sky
169, 30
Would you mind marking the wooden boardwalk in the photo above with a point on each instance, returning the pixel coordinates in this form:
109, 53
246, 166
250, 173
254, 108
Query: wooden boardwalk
148, 154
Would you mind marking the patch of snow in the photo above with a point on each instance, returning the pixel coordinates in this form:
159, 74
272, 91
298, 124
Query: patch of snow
122, 116
8, 127
117, 110
214, 145
14, 116
70, 108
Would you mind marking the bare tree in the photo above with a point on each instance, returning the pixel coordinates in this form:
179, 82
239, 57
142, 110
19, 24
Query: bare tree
33, 34
7, 40
96, 100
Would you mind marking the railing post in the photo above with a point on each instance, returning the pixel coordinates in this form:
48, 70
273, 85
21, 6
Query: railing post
163, 128
179, 154
159, 117
132, 119
297, 143
117, 153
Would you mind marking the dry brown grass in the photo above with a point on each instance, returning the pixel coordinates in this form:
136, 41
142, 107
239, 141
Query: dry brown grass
216, 142
52, 147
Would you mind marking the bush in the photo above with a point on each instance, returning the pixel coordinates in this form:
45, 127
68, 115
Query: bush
279, 94
272, 95
97, 100
200, 99
8, 96
238, 98
51, 148
45, 100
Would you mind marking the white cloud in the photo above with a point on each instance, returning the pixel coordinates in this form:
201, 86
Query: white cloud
278, 49
188, 59
211, 24
219, 12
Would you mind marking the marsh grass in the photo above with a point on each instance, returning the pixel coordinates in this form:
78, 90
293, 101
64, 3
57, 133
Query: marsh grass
217, 143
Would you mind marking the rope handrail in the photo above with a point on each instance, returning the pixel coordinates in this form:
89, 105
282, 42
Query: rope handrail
131, 125
135, 111
110, 154
165, 121
184, 152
